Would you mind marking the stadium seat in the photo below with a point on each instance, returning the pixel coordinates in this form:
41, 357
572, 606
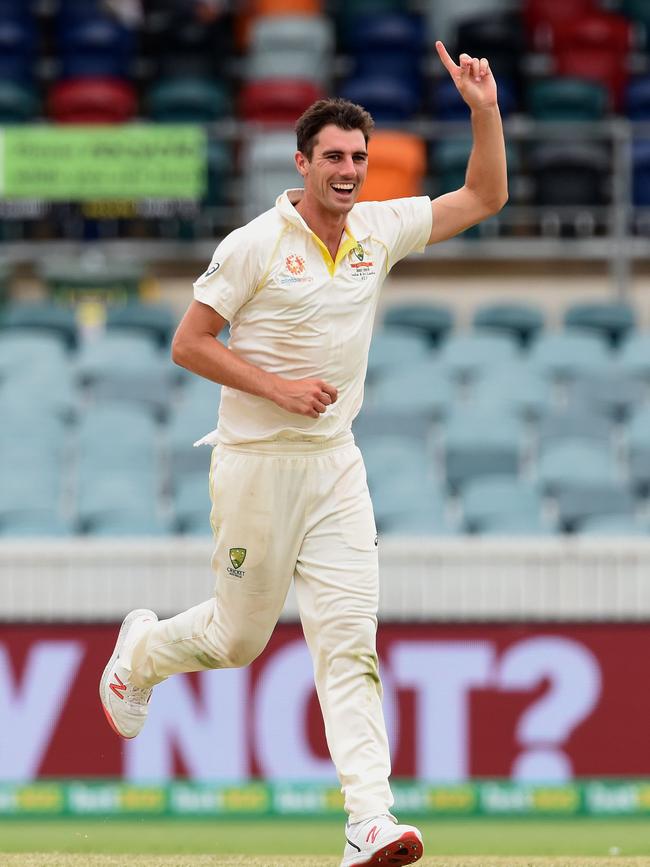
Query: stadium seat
444, 16
191, 505
393, 347
396, 166
23, 348
566, 99
571, 174
576, 464
446, 104
613, 393
633, 357
543, 17
637, 438
637, 98
613, 319
576, 503
641, 173
563, 355
92, 101
17, 46
268, 170
378, 420
466, 355
490, 500
188, 100
418, 387
279, 101
392, 42
596, 46
574, 421
523, 321
36, 523
50, 389
18, 102
398, 455
114, 280
195, 414
127, 368
389, 100
95, 46
517, 525
405, 499
513, 389
288, 33
480, 443
497, 35
156, 321
433, 320
618, 526
42, 317
295, 65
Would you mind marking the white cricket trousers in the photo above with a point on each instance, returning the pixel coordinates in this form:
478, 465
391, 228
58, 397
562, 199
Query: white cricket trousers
297, 511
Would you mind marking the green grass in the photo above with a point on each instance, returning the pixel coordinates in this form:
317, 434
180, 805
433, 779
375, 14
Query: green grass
272, 838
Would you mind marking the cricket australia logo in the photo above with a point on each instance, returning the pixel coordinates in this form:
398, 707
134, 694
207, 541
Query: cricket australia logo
295, 264
237, 557
359, 252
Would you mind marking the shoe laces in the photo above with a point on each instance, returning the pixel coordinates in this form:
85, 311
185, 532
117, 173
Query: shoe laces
139, 694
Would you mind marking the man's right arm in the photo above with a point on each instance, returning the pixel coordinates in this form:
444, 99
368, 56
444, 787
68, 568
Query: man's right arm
196, 348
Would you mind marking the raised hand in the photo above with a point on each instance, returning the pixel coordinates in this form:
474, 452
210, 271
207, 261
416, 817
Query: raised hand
473, 78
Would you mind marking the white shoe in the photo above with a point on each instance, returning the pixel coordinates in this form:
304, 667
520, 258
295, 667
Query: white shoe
381, 842
125, 705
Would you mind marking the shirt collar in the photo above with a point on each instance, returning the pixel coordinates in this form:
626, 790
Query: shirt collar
355, 225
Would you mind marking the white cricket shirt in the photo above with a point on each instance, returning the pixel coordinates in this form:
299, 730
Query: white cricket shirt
295, 312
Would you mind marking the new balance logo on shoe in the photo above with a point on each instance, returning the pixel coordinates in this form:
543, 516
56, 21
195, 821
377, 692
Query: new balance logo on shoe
372, 833
118, 688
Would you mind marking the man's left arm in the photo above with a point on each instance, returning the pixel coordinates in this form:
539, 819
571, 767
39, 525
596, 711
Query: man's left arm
485, 190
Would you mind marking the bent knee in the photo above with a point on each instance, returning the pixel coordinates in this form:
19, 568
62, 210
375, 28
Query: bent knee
242, 652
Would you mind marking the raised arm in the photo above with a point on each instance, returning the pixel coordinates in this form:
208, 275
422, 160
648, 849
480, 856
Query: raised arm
485, 190
196, 348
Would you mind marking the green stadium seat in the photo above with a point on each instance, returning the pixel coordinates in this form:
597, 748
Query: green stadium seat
188, 100
434, 320
613, 320
18, 103
523, 321
567, 99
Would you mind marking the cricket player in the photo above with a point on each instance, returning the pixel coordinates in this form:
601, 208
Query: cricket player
299, 287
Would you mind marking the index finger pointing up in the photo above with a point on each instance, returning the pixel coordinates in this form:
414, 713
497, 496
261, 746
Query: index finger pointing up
443, 54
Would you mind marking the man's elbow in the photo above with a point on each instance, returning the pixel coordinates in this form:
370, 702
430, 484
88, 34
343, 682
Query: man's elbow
496, 203
180, 351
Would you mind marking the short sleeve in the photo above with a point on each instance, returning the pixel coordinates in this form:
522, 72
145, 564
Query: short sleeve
403, 225
231, 278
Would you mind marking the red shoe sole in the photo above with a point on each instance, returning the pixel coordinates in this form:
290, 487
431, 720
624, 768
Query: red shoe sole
406, 850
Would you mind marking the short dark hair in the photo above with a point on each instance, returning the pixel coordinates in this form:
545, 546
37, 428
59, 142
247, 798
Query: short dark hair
332, 110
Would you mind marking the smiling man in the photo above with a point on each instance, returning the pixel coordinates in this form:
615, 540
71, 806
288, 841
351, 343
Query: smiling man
299, 286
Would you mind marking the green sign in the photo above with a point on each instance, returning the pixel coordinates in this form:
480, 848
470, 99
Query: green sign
505, 798
75, 163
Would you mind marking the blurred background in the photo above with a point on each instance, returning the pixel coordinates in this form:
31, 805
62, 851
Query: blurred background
506, 427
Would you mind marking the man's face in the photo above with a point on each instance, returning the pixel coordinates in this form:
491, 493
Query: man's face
337, 168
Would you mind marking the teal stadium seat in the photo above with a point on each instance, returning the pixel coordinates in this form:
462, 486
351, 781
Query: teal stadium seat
393, 348
24, 348
480, 443
434, 320
45, 317
188, 99
466, 356
18, 102
567, 99
518, 390
194, 415
492, 500
575, 421
613, 320
637, 440
633, 357
127, 368
618, 526
521, 321
564, 355
412, 389
614, 393
517, 525
395, 455
191, 505
156, 321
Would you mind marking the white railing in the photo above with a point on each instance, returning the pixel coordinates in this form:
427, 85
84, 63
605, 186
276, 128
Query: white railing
460, 578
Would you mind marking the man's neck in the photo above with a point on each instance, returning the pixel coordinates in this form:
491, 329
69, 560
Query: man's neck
328, 227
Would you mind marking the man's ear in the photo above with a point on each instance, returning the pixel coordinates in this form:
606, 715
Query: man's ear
302, 163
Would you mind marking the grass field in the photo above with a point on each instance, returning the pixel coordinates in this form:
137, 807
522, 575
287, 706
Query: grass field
286, 843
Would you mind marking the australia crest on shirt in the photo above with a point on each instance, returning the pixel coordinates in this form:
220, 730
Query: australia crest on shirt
361, 263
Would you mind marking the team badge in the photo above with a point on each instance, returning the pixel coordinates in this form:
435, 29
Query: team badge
237, 557
359, 252
295, 264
